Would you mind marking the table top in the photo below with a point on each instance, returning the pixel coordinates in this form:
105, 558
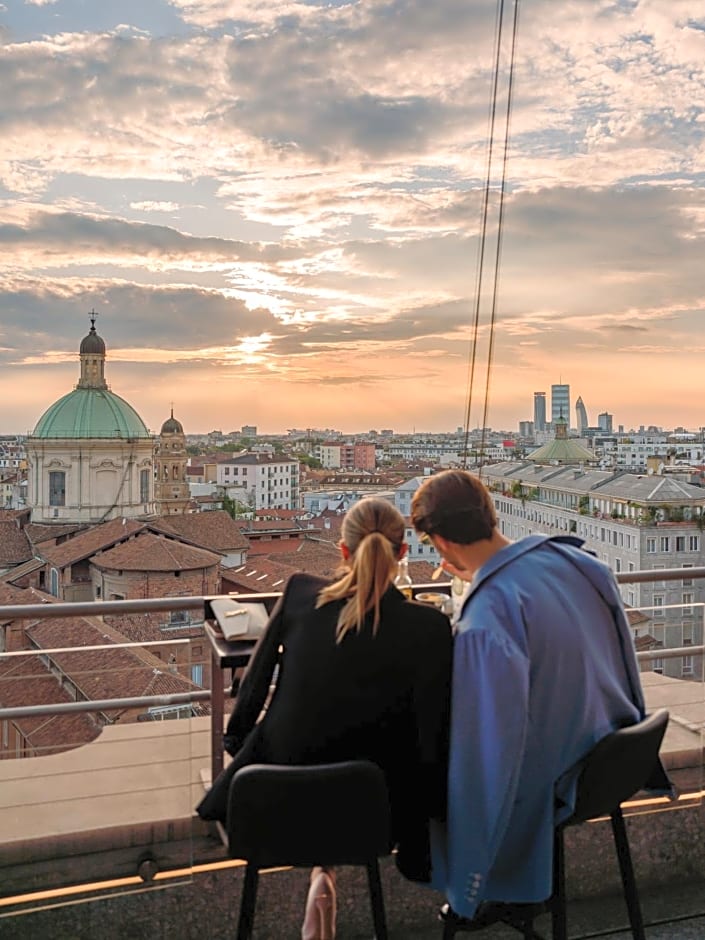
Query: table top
229, 653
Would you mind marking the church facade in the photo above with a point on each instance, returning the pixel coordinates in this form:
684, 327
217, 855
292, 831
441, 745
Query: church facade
90, 456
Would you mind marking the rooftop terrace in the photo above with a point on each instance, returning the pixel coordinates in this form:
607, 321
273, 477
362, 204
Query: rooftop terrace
100, 840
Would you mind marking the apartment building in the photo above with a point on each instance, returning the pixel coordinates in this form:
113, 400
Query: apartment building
261, 481
633, 522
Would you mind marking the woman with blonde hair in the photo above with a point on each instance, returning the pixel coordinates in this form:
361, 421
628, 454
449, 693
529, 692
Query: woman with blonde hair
364, 674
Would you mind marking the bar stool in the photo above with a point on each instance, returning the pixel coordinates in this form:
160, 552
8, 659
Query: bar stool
324, 814
617, 767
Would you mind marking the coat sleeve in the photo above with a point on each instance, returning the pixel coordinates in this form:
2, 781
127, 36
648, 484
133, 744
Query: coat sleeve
489, 716
255, 684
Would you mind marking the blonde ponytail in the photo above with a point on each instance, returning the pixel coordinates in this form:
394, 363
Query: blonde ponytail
373, 532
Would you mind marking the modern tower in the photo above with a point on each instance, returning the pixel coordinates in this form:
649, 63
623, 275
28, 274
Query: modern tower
560, 402
539, 411
581, 417
604, 421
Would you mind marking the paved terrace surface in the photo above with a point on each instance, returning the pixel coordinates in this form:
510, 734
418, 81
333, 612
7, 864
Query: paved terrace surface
205, 908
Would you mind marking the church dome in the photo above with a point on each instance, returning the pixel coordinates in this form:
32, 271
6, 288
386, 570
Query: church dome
90, 413
172, 426
92, 344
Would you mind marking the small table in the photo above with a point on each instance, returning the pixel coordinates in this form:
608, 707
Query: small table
225, 654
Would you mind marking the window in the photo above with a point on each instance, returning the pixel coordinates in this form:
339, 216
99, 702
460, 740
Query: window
144, 486
617, 565
693, 543
665, 543
57, 488
651, 546
54, 578
688, 605
687, 634
658, 666
197, 673
680, 543
658, 600
687, 668
687, 582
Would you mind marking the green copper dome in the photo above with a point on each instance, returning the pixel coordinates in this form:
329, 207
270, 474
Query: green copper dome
90, 413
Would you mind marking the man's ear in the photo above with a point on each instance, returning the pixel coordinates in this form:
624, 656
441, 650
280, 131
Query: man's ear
440, 543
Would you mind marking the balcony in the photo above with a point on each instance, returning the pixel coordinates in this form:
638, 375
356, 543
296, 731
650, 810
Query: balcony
99, 840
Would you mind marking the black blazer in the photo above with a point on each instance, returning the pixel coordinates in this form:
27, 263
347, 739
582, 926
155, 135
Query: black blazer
382, 697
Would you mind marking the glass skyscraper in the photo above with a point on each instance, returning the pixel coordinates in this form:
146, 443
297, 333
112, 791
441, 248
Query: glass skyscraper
560, 403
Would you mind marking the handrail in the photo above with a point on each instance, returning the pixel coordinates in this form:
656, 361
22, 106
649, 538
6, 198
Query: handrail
201, 603
155, 604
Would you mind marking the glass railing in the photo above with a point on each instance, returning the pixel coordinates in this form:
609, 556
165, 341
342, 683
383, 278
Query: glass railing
118, 742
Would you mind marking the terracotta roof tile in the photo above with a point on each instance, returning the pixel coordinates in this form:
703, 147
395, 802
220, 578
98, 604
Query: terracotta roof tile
150, 552
14, 544
38, 533
25, 680
91, 541
104, 673
214, 530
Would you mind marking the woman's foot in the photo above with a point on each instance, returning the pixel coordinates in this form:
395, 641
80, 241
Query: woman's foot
319, 919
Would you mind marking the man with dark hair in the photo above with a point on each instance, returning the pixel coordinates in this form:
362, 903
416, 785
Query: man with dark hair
544, 667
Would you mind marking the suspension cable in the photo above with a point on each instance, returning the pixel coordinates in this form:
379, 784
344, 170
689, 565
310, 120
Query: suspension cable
499, 24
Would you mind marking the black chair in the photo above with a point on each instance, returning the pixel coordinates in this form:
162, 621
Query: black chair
618, 766
325, 814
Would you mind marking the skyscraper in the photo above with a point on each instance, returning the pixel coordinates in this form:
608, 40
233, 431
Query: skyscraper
581, 418
539, 411
560, 403
604, 421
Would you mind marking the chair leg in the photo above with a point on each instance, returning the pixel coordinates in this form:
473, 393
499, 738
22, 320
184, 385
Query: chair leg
449, 924
626, 869
559, 918
377, 900
247, 904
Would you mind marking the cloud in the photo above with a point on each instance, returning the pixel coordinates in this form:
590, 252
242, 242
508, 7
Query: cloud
320, 170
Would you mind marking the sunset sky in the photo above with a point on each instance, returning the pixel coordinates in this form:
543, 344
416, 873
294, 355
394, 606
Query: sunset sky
274, 207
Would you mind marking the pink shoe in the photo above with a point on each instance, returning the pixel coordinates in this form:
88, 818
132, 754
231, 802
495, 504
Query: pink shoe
319, 919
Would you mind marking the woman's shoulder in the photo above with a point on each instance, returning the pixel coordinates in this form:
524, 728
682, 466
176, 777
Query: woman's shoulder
420, 616
303, 587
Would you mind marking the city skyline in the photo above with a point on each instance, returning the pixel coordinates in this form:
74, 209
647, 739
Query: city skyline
277, 216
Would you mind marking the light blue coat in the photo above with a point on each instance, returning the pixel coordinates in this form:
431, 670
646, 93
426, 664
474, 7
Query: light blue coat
544, 667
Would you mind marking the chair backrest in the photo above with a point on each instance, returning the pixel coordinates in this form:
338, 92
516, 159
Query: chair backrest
619, 766
324, 814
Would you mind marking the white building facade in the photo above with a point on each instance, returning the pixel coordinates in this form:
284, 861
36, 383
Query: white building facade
260, 481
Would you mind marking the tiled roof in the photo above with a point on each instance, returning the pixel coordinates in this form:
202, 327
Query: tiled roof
150, 552
13, 515
13, 594
91, 541
38, 533
19, 571
104, 673
25, 680
14, 545
270, 525
281, 513
264, 547
271, 572
215, 530
421, 572
154, 627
